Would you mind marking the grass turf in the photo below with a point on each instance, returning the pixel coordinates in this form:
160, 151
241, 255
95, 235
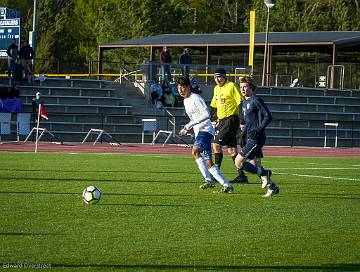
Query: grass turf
154, 217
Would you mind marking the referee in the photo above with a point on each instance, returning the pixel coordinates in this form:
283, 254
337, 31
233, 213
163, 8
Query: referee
225, 104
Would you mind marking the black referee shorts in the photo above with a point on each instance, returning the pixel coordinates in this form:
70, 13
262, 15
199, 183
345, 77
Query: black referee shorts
226, 131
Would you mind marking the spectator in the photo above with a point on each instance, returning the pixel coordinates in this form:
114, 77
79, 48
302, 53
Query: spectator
156, 94
4, 92
169, 99
175, 92
12, 52
26, 55
296, 83
36, 101
17, 73
165, 87
185, 60
165, 62
195, 88
14, 92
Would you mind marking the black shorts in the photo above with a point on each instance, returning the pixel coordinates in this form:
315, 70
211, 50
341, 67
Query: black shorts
226, 131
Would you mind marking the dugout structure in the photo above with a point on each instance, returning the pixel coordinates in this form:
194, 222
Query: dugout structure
290, 55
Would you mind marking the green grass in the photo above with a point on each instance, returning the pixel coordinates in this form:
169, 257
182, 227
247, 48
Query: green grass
154, 217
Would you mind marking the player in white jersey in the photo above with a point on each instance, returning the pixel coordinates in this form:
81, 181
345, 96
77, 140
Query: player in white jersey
199, 115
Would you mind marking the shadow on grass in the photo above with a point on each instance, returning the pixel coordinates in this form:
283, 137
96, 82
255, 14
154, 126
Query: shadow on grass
97, 171
92, 180
79, 194
147, 205
326, 267
26, 234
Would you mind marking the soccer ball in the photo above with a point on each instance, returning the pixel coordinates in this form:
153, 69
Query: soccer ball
91, 195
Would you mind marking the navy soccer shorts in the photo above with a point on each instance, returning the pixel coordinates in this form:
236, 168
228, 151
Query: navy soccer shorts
252, 149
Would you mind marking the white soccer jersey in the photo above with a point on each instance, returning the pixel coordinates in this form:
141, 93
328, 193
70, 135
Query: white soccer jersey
198, 113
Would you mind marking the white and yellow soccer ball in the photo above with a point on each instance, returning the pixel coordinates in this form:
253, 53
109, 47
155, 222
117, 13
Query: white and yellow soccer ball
91, 195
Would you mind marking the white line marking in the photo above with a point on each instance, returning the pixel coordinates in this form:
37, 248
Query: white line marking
315, 168
313, 176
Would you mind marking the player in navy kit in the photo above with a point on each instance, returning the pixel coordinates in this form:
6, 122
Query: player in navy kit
256, 117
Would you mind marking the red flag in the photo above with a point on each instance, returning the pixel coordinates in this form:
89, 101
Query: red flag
42, 111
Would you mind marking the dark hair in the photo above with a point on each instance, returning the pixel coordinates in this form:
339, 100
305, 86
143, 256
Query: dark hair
220, 72
248, 80
183, 81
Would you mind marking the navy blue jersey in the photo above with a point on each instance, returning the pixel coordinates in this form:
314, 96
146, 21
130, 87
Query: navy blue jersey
256, 114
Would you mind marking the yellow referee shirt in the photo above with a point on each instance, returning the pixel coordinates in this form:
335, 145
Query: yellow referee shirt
226, 100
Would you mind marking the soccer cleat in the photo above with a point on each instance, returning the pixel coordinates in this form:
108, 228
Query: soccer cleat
265, 179
227, 190
271, 192
241, 179
207, 184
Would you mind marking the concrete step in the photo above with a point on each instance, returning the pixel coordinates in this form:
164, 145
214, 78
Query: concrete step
106, 109
64, 91
310, 99
68, 82
309, 132
311, 141
307, 91
79, 100
312, 124
85, 127
325, 116
88, 117
312, 107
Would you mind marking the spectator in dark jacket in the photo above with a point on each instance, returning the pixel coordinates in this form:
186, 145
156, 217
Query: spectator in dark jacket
185, 60
26, 55
165, 61
12, 52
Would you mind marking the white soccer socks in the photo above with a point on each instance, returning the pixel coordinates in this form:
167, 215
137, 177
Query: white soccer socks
203, 169
216, 173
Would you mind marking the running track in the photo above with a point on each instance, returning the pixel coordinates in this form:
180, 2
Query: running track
169, 149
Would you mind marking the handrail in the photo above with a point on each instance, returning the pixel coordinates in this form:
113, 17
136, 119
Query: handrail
171, 120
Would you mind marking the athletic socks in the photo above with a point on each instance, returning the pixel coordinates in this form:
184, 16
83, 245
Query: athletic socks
216, 173
249, 167
218, 159
203, 169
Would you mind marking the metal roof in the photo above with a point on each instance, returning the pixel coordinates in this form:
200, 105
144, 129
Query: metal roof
341, 38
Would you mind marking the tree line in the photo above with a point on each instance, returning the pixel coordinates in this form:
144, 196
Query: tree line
68, 31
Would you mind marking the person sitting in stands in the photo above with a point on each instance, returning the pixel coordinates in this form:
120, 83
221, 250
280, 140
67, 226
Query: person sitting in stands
156, 93
296, 83
168, 99
195, 88
36, 101
171, 94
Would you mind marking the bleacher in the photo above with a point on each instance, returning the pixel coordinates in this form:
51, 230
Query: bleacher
75, 106
300, 114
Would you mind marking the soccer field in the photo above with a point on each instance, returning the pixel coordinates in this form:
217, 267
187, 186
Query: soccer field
153, 216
